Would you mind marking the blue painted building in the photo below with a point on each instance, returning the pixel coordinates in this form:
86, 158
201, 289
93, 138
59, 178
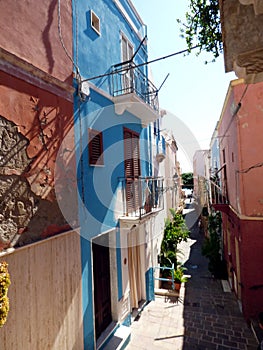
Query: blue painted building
215, 164
214, 150
120, 190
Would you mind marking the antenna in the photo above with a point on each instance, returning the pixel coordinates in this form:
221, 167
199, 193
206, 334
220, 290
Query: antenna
163, 82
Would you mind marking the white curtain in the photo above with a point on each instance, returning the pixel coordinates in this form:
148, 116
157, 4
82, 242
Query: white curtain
136, 275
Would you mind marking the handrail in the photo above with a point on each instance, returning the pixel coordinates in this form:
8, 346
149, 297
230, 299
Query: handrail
165, 279
141, 195
218, 194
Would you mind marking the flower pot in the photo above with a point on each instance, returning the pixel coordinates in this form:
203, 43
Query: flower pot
177, 286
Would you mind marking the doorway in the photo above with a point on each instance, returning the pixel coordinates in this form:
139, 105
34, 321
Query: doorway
102, 288
136, 264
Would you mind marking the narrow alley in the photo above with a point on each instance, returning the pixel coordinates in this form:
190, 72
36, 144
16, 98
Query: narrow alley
206, 316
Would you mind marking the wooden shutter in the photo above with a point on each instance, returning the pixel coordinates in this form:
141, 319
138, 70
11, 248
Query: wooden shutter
132, 169
95, 147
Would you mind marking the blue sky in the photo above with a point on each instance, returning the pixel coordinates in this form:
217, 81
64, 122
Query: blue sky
194, 92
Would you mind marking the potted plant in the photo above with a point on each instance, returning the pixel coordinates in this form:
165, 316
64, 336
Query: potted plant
179, 277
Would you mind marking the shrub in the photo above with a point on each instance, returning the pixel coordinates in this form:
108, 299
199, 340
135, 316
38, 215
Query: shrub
175, 231
4, 284
212, 246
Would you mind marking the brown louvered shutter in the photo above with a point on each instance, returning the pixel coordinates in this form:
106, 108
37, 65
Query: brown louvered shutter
132, 169
95, 147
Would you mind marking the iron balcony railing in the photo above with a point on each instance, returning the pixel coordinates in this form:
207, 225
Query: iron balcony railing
141, 195
127, 78
218, 186
218, 194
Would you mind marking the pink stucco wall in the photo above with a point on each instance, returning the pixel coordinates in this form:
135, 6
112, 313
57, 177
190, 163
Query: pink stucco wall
36, 112
240, 137
29, 30
250, 126
240, 132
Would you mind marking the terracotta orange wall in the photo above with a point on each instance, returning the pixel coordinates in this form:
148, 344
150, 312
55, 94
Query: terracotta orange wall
250, 238
43, 119
29, 30
251, 266
250, 127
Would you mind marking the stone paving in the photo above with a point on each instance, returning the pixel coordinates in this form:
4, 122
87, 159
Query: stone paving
204, 317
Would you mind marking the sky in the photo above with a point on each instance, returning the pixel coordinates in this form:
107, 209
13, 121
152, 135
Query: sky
194, 91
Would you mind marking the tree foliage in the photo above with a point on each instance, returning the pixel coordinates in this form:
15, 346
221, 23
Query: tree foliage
188, 180
202, 26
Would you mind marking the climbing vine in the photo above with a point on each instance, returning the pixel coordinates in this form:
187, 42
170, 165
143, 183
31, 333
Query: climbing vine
4, 284
212, 246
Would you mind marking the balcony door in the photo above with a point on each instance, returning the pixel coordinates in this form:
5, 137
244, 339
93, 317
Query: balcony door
132, 170
127, 54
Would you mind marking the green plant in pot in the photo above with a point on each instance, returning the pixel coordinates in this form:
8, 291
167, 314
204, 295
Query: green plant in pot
179, 276
175, 231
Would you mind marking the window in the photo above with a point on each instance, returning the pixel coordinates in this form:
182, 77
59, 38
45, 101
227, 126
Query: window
126, 48
224, 156
127, 53
95, 22
156, 127
95, 147
132, 169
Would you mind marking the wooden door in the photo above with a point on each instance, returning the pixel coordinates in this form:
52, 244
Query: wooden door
102, 292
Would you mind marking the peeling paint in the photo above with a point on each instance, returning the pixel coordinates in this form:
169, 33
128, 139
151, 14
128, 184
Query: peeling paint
32, 125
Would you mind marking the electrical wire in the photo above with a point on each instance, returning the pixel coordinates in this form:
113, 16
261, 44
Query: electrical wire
239, 105
141, 64
61, 38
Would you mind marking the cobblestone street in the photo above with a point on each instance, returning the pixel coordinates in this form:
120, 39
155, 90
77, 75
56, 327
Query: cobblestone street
204, 317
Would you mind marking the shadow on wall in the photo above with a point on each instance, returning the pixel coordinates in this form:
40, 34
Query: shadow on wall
31, 131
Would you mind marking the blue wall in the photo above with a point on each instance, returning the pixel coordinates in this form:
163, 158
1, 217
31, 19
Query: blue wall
96, 54
215, 155
97, 186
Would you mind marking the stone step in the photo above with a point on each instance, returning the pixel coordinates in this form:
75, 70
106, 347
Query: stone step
166, 292
119, 340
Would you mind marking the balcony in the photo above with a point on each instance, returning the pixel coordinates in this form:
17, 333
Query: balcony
141, 196
242, 38
219, 198
133, 92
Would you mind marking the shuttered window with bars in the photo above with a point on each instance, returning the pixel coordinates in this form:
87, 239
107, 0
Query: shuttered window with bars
132, 170
95, 147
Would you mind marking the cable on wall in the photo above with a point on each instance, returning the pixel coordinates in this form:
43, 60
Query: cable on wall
61, 38
244, 171
239, 105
